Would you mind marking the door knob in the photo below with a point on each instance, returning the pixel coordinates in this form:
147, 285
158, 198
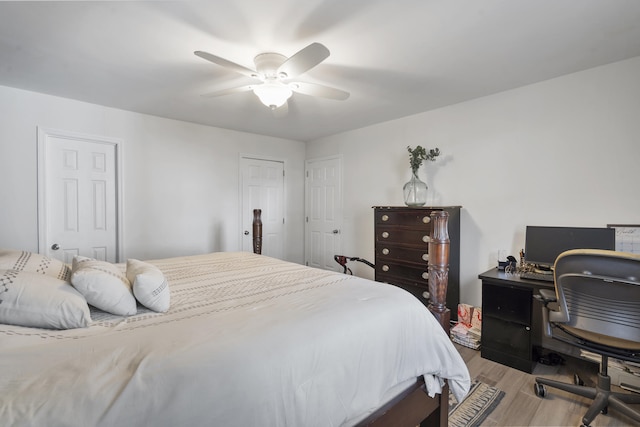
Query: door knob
55, 247
246, 232
336, 231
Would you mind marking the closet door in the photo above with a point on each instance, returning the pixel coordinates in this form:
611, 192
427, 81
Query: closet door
78, 196
262, 187
323, 217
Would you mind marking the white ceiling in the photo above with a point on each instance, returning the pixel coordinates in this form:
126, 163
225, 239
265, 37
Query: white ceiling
395, 57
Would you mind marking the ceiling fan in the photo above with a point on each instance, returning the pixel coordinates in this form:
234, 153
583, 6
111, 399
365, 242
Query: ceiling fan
276, 71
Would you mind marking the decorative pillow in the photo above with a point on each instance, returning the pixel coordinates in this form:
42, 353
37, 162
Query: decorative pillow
150, 287
11, 259
40, 301
103, 285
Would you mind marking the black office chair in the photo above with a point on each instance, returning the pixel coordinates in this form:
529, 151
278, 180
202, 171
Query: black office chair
598, 309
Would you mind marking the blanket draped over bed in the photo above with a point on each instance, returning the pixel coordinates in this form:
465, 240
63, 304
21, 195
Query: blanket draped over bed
249, 340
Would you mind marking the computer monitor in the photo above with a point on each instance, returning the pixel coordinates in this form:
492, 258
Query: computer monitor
544, 244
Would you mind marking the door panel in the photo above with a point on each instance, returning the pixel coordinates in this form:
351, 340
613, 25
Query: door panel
77, 197
323, 213
262, 188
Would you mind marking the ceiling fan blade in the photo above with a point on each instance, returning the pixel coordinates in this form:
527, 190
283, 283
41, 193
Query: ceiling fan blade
227, 64
229, 91
281, 111
322, 91
304, 60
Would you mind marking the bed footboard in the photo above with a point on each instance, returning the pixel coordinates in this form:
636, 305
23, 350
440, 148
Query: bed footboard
411, 408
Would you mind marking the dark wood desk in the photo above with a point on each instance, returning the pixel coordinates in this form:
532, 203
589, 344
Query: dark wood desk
511, 319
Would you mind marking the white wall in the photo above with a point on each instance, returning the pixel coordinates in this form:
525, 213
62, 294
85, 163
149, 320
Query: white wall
562, 152
181, 180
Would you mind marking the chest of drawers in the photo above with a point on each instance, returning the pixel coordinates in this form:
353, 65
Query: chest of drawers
402, 250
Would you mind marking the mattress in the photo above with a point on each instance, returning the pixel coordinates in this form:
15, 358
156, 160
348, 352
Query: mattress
248, 340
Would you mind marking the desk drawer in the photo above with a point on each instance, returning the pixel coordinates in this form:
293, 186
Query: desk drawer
507, 303
507, 343
506, 337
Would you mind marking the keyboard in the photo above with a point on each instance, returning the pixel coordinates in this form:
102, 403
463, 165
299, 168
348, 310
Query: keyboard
537, 276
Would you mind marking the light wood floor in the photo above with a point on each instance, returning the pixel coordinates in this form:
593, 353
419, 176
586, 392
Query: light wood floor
521, 407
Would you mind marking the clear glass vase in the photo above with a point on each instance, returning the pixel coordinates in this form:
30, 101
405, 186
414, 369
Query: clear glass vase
415, 191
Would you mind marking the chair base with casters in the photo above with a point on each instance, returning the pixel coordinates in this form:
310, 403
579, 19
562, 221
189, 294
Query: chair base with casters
595, 308
601, 395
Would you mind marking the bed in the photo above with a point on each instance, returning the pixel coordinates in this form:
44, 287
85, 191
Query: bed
248, 340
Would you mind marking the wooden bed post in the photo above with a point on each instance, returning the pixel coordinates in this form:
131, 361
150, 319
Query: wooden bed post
257, 231
439, 268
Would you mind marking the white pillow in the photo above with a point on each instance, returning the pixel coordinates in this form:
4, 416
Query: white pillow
103, 285
39, 301
11, 259
150, 287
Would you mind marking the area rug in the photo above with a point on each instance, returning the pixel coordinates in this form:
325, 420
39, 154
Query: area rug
475, 407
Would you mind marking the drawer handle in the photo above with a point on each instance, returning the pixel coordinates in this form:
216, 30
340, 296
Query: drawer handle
385, 217
425, 257
425, 275
426, 239
385, 268
426, 219
385, 251
385, 234
425, 294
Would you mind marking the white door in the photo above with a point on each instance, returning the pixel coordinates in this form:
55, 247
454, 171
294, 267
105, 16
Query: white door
77, 196
323, 197
262, 187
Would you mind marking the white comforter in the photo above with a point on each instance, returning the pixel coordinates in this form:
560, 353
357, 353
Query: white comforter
249, 340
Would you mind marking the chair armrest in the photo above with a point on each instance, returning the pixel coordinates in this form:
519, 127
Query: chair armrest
547, 296
551, 312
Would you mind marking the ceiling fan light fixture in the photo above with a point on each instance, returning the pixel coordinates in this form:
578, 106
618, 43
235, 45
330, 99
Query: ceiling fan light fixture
273, 95
274, 71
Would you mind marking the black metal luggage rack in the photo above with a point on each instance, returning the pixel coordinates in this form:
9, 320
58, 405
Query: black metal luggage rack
342, 260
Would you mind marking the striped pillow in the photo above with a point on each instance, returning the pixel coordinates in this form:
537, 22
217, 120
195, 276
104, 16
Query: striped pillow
103, 285
40, 301
150, 287
11, 259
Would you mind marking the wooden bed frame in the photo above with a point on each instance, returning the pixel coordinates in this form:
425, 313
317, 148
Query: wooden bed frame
413, 406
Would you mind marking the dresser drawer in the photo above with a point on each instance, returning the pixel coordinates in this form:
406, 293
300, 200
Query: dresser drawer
402, 235
414, 218
390, 252
403, 282
420, 292
393, 272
